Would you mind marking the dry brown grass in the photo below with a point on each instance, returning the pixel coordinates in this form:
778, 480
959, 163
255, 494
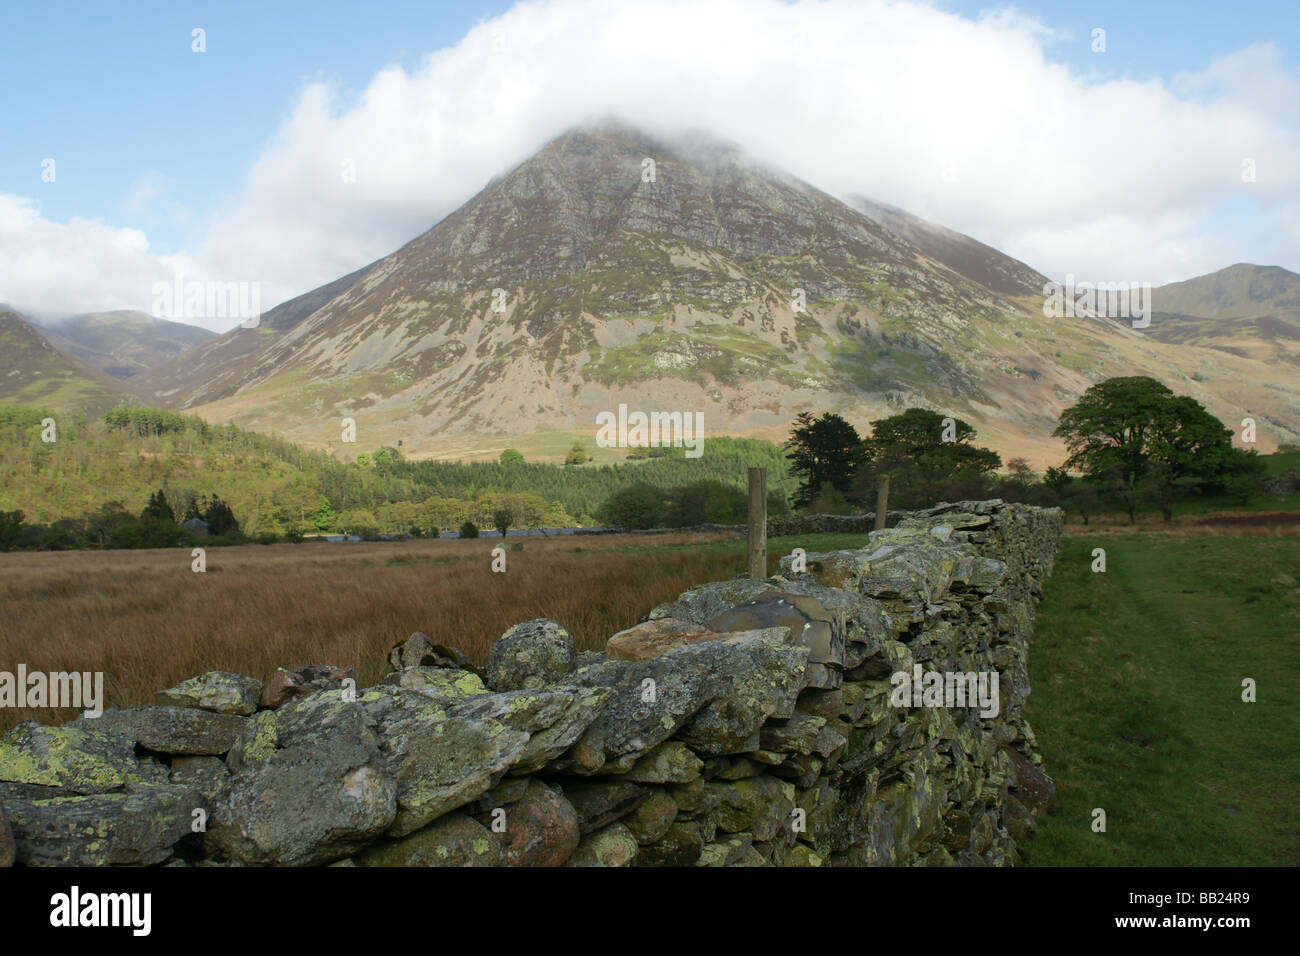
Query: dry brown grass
147, 621
1272, 524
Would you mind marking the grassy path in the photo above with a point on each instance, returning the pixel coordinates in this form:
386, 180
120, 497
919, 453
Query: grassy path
1136, 702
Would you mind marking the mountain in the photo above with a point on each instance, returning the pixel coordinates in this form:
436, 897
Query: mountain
578, 281
1245, 310
201, 374
1241, 291
123, 343
37, 373
962, 254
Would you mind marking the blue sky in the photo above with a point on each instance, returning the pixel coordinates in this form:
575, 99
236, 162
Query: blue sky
116, 95
1158, 37
168, 158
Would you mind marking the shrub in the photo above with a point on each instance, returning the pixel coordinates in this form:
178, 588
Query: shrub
638, 506
469, 530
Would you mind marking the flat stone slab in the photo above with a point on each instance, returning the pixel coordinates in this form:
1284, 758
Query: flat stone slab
111, 829
218, 691
75, 759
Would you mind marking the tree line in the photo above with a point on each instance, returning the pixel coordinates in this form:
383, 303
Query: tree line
132, 478
1131, 443
98, 483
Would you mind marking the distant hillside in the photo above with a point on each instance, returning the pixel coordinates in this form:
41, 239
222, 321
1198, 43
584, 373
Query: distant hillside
124, 343
1244, 310
202, 373
34, 372
274, 486
1237, 292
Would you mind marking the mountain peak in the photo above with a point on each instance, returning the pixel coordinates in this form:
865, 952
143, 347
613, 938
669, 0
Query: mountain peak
618, 264
1242, 290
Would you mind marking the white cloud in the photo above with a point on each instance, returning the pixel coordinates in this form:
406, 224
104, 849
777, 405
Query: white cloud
1113, 178
51, 269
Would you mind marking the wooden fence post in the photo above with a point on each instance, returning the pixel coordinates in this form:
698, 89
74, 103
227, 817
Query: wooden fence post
882, 502
758, 522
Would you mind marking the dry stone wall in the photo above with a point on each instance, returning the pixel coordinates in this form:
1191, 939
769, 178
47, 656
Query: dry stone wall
748, 723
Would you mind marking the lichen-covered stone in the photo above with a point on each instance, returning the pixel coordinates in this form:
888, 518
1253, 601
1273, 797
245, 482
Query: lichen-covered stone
553, 719
736, 768
138, 828
652, 638
322, 714
530, 655
613, 845
904, 563
541, 828
680, 846
807, 620
706, 601
761, 805
599, 803
219, 691
1034, 788
207, 775
752, 857
670, 762
452, 840
802, 734
151, 772
76, 760
329, 711
449, 685
903, 816
694, 798
755, 682
821, 703
802, 855
286, 684
508, 791
651, 699
419, 650
1017, 818
176, 730
441, 762
650, 821
727, 852
984, 832
307, 803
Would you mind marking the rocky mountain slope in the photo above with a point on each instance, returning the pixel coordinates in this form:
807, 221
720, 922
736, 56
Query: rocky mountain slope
614, 268
201, 373
962, 254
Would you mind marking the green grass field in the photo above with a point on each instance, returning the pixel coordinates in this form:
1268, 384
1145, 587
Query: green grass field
1137, 702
